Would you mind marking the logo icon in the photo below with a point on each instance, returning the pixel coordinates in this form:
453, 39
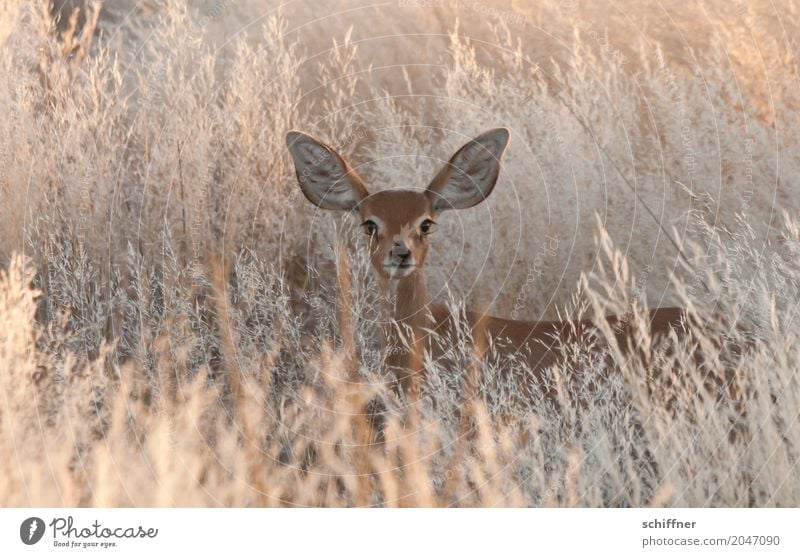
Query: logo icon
31, 530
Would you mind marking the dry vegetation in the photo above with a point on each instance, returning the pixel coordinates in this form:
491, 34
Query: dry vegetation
170, 332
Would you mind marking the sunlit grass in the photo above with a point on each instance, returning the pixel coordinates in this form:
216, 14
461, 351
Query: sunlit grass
170, 333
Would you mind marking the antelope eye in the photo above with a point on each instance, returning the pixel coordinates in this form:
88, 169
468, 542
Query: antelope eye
427, 226
370, 228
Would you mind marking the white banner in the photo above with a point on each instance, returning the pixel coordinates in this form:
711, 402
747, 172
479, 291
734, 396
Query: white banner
354, 532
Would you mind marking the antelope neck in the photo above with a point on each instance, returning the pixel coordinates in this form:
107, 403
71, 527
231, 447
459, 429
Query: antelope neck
410, 299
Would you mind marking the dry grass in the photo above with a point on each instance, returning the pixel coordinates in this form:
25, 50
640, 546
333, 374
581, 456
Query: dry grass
170, 333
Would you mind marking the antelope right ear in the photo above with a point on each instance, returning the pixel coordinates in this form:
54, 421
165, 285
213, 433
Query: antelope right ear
324, 176
471, 173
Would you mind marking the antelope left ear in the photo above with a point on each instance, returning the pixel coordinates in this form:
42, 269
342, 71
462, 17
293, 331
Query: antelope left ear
471, 174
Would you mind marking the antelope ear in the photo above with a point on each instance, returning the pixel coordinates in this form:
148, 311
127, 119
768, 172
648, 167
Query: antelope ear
470, 175
324, 176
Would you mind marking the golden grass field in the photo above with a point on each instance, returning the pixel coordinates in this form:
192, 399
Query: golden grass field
169, 332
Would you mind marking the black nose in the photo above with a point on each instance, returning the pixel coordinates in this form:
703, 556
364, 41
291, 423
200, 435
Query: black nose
401, 252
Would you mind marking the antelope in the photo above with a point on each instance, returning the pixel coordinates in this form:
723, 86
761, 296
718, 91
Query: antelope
398, 223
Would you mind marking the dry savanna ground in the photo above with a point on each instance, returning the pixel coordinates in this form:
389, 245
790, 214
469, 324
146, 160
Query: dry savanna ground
169, 333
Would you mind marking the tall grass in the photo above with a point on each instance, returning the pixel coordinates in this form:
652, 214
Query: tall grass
174, 326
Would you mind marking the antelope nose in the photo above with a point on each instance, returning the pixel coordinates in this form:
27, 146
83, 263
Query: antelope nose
401, 252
